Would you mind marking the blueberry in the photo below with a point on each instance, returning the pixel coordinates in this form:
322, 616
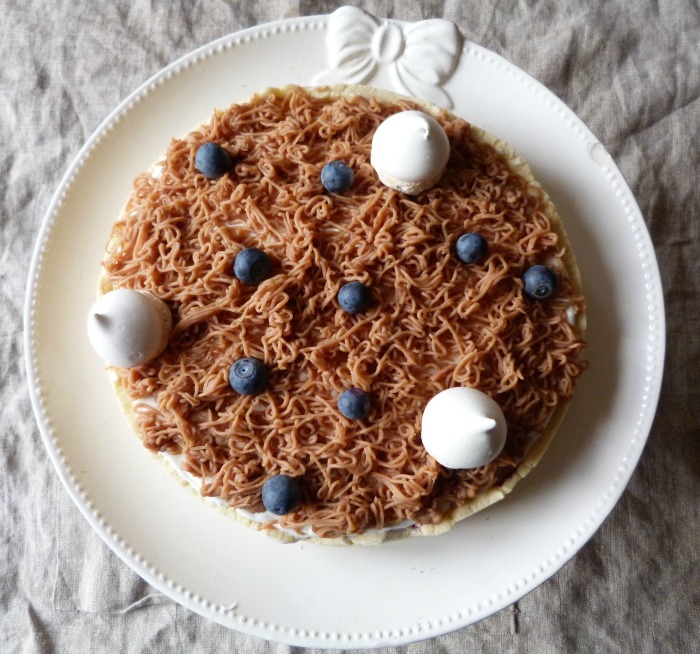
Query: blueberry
540, 282
281, 494
354, 403
472, 248
248, 376
354, 297
252, 266
212, 160
337, 177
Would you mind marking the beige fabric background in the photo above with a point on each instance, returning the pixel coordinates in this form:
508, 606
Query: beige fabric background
630, 70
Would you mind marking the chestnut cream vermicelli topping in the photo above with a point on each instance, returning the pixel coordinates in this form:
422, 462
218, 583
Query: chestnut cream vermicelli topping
434, 322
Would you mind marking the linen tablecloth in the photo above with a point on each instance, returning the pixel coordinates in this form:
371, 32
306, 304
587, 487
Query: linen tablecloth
630, 70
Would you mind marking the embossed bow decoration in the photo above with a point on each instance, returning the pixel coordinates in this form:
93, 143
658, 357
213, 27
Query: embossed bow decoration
421, 56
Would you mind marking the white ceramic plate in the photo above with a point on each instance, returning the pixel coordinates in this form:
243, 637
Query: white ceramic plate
345, 597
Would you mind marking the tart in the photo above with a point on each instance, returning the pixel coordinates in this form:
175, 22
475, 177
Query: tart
430, 320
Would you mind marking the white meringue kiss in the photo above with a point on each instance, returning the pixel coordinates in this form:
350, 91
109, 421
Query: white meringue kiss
410, 151
128, 328
463, 428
